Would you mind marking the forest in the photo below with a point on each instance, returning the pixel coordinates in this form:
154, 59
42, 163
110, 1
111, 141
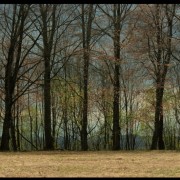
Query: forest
89, 77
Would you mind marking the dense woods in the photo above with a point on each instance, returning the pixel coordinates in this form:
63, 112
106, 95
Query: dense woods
89, 76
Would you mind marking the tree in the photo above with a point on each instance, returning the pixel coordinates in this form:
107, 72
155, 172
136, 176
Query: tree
161, 68
86, 38
156, 26
15, 54
117, 15
48, 27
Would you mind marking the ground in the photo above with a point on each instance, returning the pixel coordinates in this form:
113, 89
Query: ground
90, 164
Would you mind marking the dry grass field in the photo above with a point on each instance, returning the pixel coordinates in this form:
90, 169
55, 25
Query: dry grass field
90, 164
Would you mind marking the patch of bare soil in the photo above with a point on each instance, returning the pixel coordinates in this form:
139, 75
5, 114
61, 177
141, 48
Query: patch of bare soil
90, 164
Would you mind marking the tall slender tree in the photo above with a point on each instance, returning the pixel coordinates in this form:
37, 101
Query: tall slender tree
161, 67
87, 13
117, 15
48, 27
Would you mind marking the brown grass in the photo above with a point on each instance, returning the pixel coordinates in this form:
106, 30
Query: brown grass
90, 164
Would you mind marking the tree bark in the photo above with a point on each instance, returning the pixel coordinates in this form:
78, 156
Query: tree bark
162, 68
9, 90
48, 45
86, 34
47, 105
116, 84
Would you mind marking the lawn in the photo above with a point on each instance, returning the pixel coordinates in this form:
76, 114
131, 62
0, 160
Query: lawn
90, 164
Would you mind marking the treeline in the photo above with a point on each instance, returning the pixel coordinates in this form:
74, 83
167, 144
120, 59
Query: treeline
89, 76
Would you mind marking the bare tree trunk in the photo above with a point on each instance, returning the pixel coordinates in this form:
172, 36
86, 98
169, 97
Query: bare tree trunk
161, 141
66, 137
17, 126
31, 122
36, 123
116, 84
162, 67
47, 106
6, 127
9, 88
158, 112
86, 32
48, 45
53, 119
84, 144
